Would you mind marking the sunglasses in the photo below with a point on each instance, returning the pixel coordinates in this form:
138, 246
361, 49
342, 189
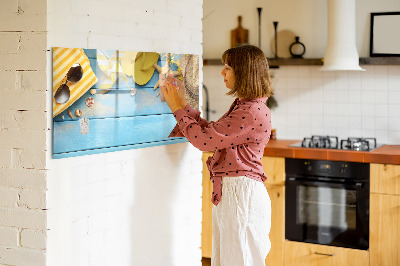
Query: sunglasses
63, 92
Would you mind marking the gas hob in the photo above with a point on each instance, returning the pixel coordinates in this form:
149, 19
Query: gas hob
332, 142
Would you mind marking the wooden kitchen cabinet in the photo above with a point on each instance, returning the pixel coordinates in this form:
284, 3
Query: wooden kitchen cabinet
384, 237
277, 233
206, 225
385, 178
305, 254
274, 168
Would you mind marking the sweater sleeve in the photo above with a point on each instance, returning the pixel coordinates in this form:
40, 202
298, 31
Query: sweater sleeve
193, 113
231, 130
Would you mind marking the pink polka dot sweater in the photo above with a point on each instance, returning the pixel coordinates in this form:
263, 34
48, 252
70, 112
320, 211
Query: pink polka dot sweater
238, 139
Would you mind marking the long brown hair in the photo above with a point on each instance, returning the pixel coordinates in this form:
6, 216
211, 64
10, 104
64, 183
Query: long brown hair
250, 66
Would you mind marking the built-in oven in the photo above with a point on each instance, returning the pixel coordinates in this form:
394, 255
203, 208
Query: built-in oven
327, 202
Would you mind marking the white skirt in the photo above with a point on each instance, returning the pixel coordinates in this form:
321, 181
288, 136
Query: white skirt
241, 223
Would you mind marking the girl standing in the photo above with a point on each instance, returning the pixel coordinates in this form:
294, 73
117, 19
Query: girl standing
242, 209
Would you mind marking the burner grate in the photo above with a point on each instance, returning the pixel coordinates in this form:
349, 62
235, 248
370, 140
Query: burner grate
332, 142
327, 142
358, 144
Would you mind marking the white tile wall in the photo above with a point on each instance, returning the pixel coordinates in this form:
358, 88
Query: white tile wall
312, 102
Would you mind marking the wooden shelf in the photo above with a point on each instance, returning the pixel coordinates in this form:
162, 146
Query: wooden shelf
273, 63
380, 61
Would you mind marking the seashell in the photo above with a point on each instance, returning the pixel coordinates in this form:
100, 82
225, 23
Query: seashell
133, 92
92, 91
90, 102
78, 112
70, 114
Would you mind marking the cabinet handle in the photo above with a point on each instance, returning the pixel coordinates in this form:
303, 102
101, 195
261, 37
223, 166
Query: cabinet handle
324, 254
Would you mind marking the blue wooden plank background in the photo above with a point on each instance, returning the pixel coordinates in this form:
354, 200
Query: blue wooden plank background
107, 132
117, 120
118, 102
119, 148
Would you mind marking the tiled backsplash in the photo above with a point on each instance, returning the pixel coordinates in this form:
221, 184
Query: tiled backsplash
314, 102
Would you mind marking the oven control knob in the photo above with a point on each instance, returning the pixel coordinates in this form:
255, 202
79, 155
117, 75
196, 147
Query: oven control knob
343, 168
308, 166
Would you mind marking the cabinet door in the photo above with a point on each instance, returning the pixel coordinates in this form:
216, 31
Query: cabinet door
384, 237
206, 232
274, 168
385, 178
277, 233
304, 254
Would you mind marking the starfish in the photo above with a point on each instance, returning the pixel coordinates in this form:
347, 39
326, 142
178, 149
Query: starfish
165, 70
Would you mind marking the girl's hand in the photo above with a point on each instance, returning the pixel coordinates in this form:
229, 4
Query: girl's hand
171, 94
176, 82
181, 91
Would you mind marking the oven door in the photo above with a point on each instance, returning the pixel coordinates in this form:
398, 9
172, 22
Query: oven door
327, 213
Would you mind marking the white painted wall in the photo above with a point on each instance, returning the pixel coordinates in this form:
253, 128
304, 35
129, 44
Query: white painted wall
23, 133
134, 207
305, 18
311, 102
138, 207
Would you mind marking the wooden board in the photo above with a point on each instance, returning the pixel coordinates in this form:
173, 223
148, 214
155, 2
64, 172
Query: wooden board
118, 104
239, 35
111, 132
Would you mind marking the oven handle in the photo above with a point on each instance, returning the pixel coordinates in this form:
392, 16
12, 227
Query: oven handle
357, 185
324, 254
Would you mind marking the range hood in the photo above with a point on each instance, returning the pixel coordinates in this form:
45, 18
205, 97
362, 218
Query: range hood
341, 51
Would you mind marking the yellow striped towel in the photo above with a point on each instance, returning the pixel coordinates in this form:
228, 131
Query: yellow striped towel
63, 59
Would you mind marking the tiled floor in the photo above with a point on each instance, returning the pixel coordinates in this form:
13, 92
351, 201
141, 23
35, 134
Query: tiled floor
206, 261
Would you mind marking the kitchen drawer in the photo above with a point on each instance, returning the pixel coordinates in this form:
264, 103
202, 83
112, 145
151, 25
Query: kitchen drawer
305, 254
385, 178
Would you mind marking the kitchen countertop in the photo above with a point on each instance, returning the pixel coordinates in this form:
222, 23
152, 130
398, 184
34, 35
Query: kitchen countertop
389, 154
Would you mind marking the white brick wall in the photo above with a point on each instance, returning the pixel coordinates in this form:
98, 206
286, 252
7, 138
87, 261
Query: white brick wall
23, 132
9, 237
33, 239
9, 197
